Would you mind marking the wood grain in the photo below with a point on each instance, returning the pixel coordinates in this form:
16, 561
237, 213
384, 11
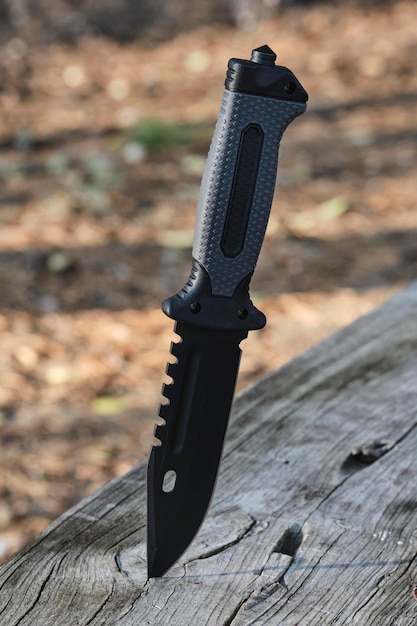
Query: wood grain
313, 520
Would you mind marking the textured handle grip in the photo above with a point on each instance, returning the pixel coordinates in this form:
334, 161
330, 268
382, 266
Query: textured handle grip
238, 186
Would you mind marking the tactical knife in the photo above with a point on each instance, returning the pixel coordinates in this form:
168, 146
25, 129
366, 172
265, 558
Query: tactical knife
213, 312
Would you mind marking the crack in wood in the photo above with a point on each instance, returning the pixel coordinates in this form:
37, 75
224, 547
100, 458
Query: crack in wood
266, 584
118, 561
102, 606
289, 545
406, 434
45, 582
369, 598
352, 466
219, 549
143, 591
410, 563
254, 595
379, 588
290, 541
312, 569
364, 455
229, 621
37, 597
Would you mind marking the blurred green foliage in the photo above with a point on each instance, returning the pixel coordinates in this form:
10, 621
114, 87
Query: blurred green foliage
157, 135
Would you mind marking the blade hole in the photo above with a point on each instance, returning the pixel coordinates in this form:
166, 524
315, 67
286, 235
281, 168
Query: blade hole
168, 484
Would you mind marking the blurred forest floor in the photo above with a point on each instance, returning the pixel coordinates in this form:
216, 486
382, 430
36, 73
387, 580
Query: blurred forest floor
103, 146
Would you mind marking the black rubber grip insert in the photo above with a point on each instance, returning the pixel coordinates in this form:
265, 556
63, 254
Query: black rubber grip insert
243, 189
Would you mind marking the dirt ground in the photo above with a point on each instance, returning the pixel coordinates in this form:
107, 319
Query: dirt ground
103, 147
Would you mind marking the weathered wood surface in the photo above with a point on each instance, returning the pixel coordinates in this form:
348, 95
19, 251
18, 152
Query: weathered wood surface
300, 530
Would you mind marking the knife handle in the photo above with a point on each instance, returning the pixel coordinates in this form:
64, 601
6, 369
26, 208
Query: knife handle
238, 186
260, 100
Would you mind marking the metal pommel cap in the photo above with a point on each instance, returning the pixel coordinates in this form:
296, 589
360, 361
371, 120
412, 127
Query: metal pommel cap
263, 55
261, 77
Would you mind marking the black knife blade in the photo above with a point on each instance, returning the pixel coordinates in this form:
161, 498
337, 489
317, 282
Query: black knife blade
213, 311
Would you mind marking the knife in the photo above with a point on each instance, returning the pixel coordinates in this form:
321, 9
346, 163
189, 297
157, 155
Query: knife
213, 312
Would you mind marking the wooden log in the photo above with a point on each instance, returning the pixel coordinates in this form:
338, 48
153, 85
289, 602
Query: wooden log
313, 520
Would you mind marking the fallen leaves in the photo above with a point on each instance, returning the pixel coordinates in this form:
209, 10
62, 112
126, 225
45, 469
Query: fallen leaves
104, 147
